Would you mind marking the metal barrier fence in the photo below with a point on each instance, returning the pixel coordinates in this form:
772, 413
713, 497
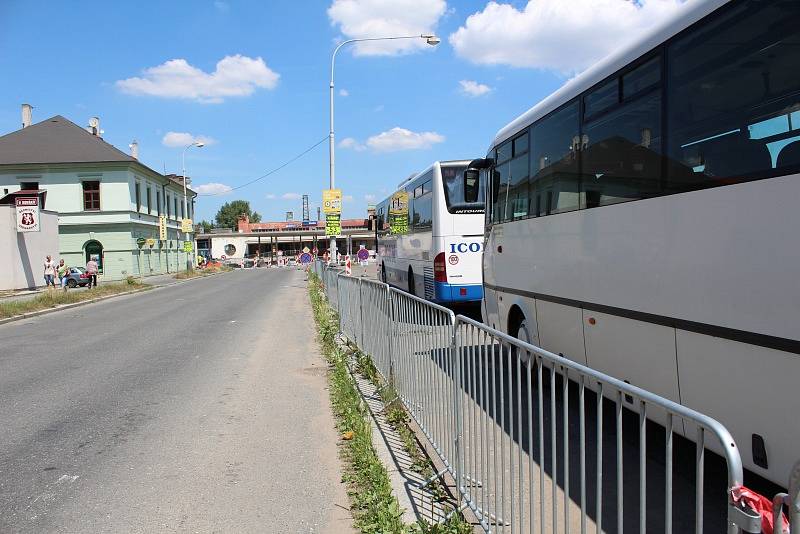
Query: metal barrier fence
536, 442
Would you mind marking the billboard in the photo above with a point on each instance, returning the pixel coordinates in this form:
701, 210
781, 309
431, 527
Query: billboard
398, 213
28, 214
332, 201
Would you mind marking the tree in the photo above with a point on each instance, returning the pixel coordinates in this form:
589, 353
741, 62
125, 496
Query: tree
207, 226
228, 214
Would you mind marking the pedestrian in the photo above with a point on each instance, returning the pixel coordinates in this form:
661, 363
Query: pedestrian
91, 270
63, 271
49, 272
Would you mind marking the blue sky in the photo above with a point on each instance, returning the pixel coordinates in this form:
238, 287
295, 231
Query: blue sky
158, 73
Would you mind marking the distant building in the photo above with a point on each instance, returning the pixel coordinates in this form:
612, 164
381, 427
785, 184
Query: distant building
266, 239
108, 202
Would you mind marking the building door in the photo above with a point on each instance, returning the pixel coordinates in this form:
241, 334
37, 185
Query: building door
94, 251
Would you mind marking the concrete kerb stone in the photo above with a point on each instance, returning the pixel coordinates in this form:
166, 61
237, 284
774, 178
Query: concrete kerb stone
62, 307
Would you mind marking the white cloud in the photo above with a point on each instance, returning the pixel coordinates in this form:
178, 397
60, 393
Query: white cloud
559, 35
370, 198
212, 188
371, 18
473, 88
344, 92
349, 142
402, 139
270, 196
182, 139
234, 76
291, 196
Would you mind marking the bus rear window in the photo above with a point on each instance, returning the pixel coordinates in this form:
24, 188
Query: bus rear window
453, 179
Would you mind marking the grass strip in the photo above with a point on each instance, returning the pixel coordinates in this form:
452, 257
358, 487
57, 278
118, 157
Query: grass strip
374, 507
55, 297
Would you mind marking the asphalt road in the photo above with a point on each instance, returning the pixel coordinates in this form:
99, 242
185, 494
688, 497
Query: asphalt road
199, 407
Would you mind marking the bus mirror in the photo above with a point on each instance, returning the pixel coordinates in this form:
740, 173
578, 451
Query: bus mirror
471, 185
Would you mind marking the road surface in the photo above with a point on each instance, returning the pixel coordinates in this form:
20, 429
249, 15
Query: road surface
198, 407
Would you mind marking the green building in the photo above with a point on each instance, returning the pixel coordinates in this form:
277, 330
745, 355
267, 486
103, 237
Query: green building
108, 202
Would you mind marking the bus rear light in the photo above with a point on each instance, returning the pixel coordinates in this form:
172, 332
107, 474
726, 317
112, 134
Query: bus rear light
462, 291
439, 268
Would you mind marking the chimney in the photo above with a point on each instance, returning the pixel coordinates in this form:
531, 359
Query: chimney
94, 126
27, 115
134, 146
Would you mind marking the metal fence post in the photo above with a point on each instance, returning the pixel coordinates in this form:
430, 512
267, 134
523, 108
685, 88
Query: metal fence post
361, 309
339, 302
455, 351
390, 321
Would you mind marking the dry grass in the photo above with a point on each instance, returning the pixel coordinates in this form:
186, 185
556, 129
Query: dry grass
56, 297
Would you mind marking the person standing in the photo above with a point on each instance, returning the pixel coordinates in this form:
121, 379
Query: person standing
91, 270
63, 271
49, 272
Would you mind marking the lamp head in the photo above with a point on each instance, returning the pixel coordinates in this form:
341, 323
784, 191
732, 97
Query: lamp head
199, 144
431, 39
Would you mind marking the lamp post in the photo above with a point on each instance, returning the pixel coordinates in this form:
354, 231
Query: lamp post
198, 144
429, 38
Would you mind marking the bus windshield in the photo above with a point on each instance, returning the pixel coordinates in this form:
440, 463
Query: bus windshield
453, 179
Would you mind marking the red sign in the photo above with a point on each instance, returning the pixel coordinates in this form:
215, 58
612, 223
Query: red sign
27, 214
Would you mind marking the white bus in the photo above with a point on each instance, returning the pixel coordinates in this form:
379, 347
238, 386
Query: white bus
431, 234
643, 220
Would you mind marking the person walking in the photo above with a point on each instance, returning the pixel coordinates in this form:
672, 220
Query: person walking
63, 271
91, 270
49, 272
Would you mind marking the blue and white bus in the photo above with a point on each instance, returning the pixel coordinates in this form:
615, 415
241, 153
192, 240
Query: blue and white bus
430, 234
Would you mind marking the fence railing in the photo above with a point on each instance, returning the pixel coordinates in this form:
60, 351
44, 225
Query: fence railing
533, 441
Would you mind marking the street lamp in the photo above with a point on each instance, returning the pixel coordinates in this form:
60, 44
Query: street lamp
429, 38
198, 144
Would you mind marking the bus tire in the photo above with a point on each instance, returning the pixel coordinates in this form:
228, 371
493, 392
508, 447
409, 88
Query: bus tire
523, 333
411, 285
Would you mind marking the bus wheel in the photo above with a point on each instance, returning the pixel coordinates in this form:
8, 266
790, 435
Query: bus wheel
523, 334
411, 288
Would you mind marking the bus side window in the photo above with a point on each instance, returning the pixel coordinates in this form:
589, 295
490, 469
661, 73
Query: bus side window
554, 181
733, 97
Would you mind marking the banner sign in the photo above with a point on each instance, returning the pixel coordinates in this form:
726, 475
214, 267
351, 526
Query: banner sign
398, 213
28, 214
188, 246
332, 201
186, 226
333, 224
162, 228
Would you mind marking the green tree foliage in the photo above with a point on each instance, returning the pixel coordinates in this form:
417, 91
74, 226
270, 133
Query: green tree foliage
228, 214
207, 226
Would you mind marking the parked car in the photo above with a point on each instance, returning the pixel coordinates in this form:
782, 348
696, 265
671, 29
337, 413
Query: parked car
77, 277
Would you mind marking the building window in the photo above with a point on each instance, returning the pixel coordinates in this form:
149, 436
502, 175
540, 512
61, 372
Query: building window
91, 196
138, 196
183, 215
149, 200
175, 205
158, 201
168, 212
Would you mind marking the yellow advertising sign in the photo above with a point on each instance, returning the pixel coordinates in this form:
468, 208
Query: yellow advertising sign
333, 224
398, 213
162, 228
186, 226
332, 201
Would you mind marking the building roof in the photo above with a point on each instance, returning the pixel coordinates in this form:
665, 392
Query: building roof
57, 140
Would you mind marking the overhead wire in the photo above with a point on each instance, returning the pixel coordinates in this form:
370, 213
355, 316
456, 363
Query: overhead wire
270, 173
